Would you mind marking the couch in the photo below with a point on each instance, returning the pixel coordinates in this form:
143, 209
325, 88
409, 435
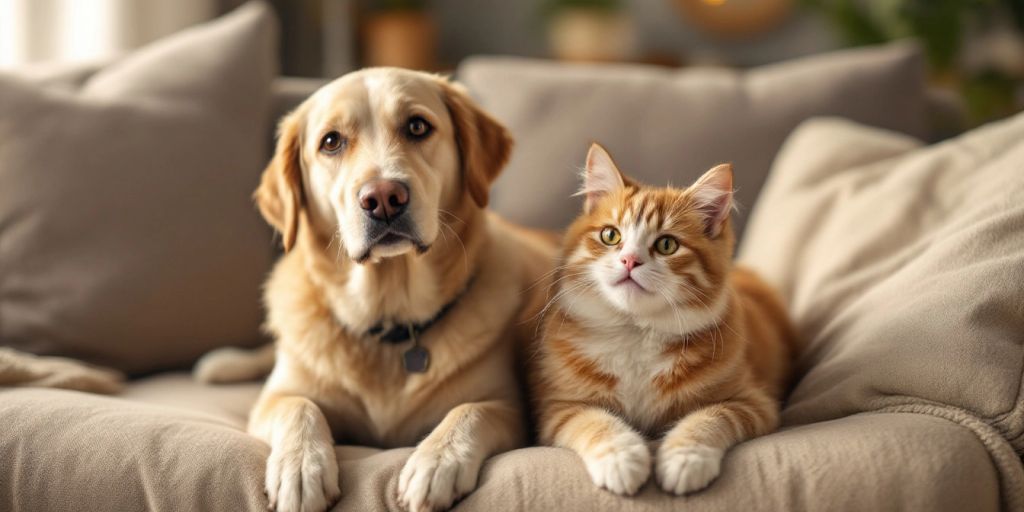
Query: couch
902, 264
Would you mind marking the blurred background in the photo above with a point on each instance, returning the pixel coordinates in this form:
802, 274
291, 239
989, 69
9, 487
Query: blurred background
975, 47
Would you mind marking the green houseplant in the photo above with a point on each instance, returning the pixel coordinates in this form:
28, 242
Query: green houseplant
958, 37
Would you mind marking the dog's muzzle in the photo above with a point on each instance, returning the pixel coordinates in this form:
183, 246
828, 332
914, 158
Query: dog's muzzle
384, 204
384, 201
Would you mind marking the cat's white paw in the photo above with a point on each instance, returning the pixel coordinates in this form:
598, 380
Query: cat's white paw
683, 469
302, 475
622, 465
432, 479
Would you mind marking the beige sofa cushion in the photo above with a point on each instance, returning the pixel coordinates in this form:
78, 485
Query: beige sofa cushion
127, 233
179, 445
903, 267
670, 126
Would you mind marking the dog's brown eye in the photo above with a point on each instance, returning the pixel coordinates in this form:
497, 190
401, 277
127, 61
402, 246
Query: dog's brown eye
418, 128
332, 143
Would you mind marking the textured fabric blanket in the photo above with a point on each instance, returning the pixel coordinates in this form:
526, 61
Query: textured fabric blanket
18, 369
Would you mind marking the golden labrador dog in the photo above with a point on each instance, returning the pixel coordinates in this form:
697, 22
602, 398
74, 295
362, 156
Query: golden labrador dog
398, 304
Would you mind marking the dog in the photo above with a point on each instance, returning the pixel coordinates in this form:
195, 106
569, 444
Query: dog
400, 303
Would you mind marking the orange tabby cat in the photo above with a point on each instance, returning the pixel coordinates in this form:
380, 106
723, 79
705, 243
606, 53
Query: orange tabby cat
652, 332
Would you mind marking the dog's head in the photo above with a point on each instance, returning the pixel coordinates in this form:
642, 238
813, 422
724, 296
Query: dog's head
376, 158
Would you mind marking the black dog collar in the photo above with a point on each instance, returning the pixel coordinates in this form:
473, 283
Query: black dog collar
417, 358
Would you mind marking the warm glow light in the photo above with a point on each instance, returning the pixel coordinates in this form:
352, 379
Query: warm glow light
12, 33
714, 2
89, 29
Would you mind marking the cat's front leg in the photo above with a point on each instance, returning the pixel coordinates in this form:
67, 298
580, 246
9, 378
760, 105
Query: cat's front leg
615, 455
690, 457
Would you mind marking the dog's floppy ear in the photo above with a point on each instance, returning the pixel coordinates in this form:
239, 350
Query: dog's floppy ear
279, 196
484, 143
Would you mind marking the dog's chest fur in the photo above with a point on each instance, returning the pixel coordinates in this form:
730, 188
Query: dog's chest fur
365, 392
360, 382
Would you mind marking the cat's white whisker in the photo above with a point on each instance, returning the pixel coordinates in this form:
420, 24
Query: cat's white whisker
546, 275
675, 311
558, 296
573, 304
551, 302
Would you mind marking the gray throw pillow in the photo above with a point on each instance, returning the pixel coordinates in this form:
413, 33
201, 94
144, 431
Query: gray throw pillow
127, 233
666, 126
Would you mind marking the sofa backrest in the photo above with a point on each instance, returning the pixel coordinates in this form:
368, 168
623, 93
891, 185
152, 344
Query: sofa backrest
946, 113
288, 93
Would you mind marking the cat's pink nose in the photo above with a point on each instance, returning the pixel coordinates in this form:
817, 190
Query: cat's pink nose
630, 261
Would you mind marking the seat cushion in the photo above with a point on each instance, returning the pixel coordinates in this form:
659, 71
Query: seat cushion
170, 444
669, 126
66, 450
128, 237
864, 462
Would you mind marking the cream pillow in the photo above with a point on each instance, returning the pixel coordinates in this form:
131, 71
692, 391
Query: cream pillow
904, 270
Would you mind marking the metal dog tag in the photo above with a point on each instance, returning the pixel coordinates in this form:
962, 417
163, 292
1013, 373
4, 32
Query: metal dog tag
416, 359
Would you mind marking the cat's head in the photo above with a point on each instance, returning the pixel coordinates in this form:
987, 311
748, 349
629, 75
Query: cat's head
657, 256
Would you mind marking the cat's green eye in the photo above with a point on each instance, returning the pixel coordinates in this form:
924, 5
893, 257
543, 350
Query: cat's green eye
666, 245
610, 236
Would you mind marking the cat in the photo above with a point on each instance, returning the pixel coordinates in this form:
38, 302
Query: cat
652, 332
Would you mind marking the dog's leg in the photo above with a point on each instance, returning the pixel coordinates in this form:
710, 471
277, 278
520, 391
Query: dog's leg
445, 465
230, 364
302, 471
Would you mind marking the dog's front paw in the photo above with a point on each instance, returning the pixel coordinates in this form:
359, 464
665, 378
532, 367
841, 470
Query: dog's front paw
433, 479
302, 476
688, 468
622, 465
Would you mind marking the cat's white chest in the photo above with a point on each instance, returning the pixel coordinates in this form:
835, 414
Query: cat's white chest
635, 357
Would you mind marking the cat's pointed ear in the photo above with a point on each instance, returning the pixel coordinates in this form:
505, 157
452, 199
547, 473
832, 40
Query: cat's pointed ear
712, 196
600, 177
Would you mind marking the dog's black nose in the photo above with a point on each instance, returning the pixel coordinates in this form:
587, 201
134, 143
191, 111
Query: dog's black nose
384, 200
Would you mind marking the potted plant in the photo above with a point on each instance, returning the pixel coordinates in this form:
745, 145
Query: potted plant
399, 33
974, 47
590, 30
